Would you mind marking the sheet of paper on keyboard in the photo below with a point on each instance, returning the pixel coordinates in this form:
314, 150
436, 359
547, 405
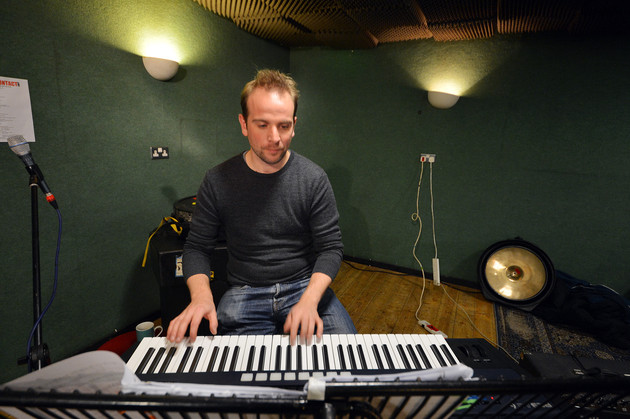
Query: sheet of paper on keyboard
316, 387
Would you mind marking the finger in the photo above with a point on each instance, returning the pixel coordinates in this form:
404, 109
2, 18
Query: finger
194, 327
213, 322
320, 327
173, 328
291, 326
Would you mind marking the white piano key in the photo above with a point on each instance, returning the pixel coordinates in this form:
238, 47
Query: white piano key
268, 344
162, 345
244, 342
446, 347
328, 352
250, 350
273, 355
352, 341
425, 343
391, 341
378, 345
139, 354
180, 350
302, 354
288, 354
409, 345
348, 354
209, 343
198, 343
233, 351
363, 346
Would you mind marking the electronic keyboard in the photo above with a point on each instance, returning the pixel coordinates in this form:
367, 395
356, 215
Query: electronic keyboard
272, 360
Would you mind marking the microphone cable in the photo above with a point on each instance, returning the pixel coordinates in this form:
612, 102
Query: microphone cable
52, 296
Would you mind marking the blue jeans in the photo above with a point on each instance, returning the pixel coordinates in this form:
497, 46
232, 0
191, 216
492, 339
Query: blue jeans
245, 310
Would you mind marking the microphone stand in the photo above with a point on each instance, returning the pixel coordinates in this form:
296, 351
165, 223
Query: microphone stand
39, 355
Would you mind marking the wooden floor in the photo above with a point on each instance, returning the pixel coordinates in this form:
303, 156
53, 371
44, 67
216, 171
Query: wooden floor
381, 301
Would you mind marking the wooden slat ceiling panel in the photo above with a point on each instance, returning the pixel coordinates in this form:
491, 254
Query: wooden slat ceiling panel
366, 23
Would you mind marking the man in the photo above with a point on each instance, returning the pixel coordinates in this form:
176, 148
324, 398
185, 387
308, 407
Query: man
279, 215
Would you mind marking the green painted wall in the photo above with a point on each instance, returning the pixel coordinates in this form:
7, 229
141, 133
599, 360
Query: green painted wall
96, 112
536, 147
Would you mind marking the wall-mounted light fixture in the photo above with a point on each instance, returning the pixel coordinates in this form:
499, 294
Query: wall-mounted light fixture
442, 100
160, 68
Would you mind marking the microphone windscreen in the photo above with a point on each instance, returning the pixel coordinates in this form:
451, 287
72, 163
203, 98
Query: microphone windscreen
19, 145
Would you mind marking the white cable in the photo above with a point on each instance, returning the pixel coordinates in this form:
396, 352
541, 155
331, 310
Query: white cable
432, 210
416, 217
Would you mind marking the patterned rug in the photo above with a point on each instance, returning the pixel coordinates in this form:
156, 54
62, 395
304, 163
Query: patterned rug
521, 332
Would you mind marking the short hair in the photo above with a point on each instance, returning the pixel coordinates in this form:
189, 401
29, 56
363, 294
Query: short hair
270, 80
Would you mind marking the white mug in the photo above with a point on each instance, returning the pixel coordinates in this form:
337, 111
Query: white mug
147, 330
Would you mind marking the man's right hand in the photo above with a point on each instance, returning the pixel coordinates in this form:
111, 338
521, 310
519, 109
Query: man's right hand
201, 306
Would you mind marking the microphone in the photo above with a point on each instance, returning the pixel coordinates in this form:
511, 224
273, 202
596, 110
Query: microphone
18, 144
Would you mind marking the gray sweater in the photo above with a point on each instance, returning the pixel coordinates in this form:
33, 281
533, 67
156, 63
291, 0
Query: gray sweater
278, 227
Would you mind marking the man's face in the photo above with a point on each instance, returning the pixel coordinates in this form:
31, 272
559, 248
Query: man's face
270, 127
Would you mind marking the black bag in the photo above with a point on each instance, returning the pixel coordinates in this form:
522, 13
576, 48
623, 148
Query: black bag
594, 309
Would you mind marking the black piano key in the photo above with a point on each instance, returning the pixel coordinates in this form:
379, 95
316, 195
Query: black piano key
213, 358
342, 359
288, 361
168, 359
278, 358
401, 352
448, 354
234, 358
299, 358
438, 355
362, 357
182, 364
224, 358
379, 361
424, 356
145, 360
156, 360
326, 358
315, 358
250, 358
196, 359
413, 357
261, 359
388, 357
353, 362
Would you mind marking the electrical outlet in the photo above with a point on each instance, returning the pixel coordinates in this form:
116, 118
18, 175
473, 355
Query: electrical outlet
159, 153
424, 158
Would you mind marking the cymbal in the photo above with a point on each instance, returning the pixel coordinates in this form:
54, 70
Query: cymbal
515, 273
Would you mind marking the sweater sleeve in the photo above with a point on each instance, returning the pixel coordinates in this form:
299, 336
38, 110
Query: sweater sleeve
327, 242
203, 234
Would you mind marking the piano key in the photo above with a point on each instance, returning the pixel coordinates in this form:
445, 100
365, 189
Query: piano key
214, 353
262, 356
244, 343
366, 343
178, 355
442, 348
168, 358
431, 341
141, 355
329, 362
156, 361
393, 343
194, 362
382, 344
353, 351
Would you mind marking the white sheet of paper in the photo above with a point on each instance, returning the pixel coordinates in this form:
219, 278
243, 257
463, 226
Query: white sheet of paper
16, 117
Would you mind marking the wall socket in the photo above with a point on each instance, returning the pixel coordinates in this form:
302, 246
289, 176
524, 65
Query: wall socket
424, 157
159, 153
